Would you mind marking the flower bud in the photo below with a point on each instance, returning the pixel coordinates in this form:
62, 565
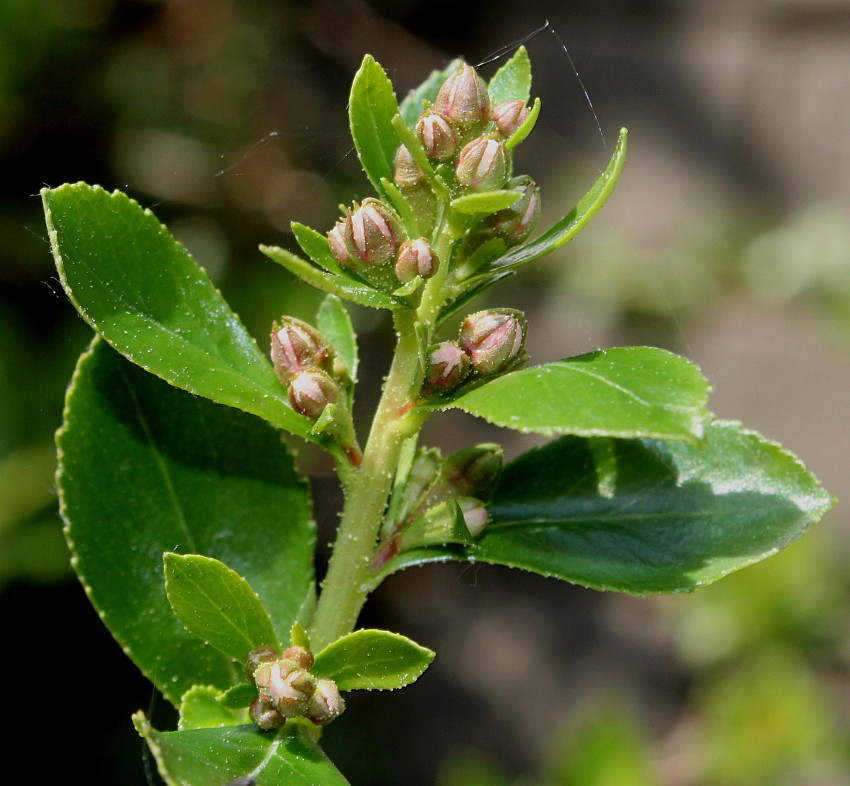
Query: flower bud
436, 134
463, 99
262, 654
509, 116
311, 391
492, 339
265, 714
474, 515
285, 685
415, 258
514, 223
482, 164
341, 242
295, 347
448, 366
301, 656
406, 171
376, 232
473, 472
326, 704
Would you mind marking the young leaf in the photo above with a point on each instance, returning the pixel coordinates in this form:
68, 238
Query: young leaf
200, 708
620, 392
339, 285
485, 201
132, 486
672, 515
315, 245
238, 697
526, 128
512, 81
372, 660
217, 605
140, 289
569, 226
411, 107
201, 757
371, 108
334, 324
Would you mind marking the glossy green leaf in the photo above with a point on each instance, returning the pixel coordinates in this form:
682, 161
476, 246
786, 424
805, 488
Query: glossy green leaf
216, 757
485, 201
217, 605
371, 108
239, 696
334, 324
200, 708
569, 226
402, 207
372, 660
619, 392
132, 486
315, 245
666, 517
512, 81
339, 285
411, 107
140, 289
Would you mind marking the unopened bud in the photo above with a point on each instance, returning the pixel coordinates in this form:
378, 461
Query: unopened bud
415, 258
295, 347
436, 134
514, 223
262, 654
341, 242
265, 714
474, 515
492, 339
482, 164
288, 687
509, 116
448, 366
299, 655
473, 472
311, 391
376, 232
463, 99
326, 704
406, 171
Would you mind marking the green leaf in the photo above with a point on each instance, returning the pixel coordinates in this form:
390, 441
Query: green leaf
217, 605
239, 696
677, 515
569, 226
372, 660
371, 108
485, 201
132, 486
619, 392
200, 708
335, 325
206, 757
315, 245
341, 285
411, 107
512, 81
140, 289
525, 128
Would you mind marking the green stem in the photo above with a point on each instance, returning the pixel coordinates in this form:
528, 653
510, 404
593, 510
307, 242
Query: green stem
347, 584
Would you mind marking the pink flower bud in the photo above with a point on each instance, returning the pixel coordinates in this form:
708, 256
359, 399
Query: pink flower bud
474, 515
492, 339
263, 654
341, 242
448, 366
286, 686
463, 99
326, 704
375, 231
473, 471
296, 347
438, 138
415, 258
265, 714
509, 116
482, 164
311, 391
515, 223
299, 655
406, 171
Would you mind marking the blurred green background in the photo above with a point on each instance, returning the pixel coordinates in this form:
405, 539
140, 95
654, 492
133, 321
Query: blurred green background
728, 240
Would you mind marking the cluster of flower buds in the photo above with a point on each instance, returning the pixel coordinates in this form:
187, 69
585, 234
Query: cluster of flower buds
490, 342
371, 241
287, 689
306, 364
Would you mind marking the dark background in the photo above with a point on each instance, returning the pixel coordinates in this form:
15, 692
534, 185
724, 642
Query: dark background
727, 240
